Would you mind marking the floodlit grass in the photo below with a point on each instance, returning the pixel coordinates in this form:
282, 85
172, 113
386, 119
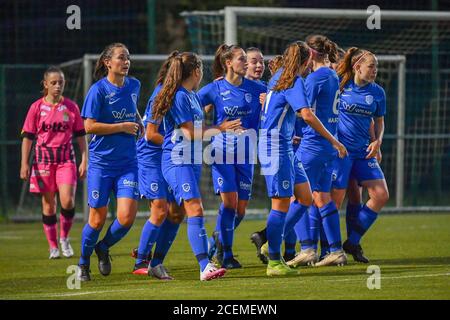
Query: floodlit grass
412, 251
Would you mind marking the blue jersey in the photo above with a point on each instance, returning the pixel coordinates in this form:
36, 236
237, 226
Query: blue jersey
357, 107
300, 124
110, 104
148, 153
185, 108
279, 112
322, 87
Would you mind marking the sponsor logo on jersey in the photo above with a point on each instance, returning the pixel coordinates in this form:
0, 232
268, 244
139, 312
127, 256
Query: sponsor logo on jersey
129, 183
65, 117
134, 98
225, 93
231, 111
154, 187
186, 187
369, 99
286, 184
55, 127
356, 109
248, 97
95, 194
122, 114
43, 173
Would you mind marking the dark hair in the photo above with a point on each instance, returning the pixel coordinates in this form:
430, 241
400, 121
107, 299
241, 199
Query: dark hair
323, 46
223, 53
275, 63
51, 69
100, 68
294, 62
165, 67
345, 68
181, 68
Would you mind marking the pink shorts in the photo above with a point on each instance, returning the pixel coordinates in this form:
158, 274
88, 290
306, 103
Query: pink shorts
47, 177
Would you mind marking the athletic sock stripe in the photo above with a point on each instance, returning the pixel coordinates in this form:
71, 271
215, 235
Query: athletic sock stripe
330, 214
201, 256
307, 242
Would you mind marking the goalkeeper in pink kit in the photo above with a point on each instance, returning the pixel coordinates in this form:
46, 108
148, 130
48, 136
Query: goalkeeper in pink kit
53, 121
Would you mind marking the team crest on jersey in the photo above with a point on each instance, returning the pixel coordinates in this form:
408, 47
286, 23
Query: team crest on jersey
248, 97
62, 108
369, 99
154, 187
186, 187
65, 117
134, 97
300, 165
230, 111
333, 176
220, 181
286, 184
95, 194
43, 113
46, 108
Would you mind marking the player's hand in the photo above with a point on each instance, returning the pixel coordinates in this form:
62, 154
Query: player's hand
373, 149
130, 127
24, 172
296, 140
230, 125
262, 98
342, 151
82, 170
379, 156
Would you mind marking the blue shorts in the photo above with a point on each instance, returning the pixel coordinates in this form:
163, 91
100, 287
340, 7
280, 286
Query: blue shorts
100, 182
319, 170
184, 180
233, 178
281, 184
300, 174
359, 169
152, 184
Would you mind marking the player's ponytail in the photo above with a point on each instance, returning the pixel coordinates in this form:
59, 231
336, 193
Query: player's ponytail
100, 67
181, 68
165, 67
51, 69
322, 47
295, 58
275, 63
223, 53
345, 68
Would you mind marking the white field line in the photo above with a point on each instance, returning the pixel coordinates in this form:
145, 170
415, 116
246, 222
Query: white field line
399, 277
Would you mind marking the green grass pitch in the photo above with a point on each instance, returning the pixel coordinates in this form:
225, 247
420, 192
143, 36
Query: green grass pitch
412, 251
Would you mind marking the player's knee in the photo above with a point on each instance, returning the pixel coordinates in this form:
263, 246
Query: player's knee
68, 203
381, 197
49, 208
96, 223
175, 217
230, 203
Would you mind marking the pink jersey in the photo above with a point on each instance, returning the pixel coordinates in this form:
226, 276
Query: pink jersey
53, 127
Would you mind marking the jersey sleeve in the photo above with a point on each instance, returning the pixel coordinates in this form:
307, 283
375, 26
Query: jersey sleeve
381, 104
92, 104
78, 125
313, 86
29, 129
296, 96
206, 95
180, 110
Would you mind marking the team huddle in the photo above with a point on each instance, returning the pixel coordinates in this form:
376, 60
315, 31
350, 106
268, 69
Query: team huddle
316, 128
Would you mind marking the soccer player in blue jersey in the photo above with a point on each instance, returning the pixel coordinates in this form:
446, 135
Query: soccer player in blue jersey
111, 116
317, 154
256, 66
179, 106
361, 101
233, 97
286, 96
165, 218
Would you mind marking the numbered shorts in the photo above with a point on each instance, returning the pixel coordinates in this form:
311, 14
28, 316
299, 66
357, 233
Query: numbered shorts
300, 174
281, 183
152, 184
184, 180
359, 169
123, 182
48, 177
319, 170
233, 178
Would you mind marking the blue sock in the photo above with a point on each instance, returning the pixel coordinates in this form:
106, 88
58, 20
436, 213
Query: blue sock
366, 218
351, 215
197, 238
167, 235
275, 226
237, 220
89, 237
303, 231
149, 235
290, 239
115, 232
324, 245
330, 220
295, 213
227, 232
314, 225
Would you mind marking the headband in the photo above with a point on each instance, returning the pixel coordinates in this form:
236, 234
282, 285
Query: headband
360, 58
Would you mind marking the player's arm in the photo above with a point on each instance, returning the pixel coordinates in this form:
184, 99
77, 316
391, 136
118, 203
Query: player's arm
208, 132
152, 134
81, 141
140, 124
374, 146
379, 156
27, 143
100, 128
